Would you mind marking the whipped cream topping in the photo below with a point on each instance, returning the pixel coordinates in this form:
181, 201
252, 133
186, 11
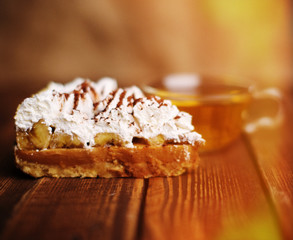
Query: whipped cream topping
84, 108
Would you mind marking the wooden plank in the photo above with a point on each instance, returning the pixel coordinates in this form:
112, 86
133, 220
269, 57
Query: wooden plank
12, 189
78, 209
273, 151
13, 183
223, 199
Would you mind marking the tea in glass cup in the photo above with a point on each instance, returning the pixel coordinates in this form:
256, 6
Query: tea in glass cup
217, 108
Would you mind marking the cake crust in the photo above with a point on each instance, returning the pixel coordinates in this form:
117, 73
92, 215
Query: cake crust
141, 161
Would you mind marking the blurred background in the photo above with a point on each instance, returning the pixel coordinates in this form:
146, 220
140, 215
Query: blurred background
134, 41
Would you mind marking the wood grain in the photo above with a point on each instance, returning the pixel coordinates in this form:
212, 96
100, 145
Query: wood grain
273, 152
223, 199
77, 209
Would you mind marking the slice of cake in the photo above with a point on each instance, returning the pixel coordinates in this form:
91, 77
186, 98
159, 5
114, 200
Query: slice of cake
95, 129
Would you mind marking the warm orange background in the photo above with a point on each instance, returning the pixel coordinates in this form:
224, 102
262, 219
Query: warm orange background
133, 40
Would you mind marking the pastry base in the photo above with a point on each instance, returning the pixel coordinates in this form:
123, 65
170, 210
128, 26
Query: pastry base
142, 161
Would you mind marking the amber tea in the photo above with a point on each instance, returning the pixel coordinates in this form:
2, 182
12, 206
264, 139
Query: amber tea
217, 110
218, 105
219, 122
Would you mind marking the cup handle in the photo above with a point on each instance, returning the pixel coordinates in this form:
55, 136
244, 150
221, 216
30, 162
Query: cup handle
266, 122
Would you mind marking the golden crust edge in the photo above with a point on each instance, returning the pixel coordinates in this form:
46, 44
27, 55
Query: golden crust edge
176, 159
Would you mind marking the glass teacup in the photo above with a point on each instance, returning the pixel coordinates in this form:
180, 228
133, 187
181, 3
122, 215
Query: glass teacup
218, 106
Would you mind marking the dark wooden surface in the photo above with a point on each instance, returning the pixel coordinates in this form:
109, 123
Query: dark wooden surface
244, 191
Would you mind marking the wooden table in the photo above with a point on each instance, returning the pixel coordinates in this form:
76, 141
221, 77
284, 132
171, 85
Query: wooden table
244, 191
